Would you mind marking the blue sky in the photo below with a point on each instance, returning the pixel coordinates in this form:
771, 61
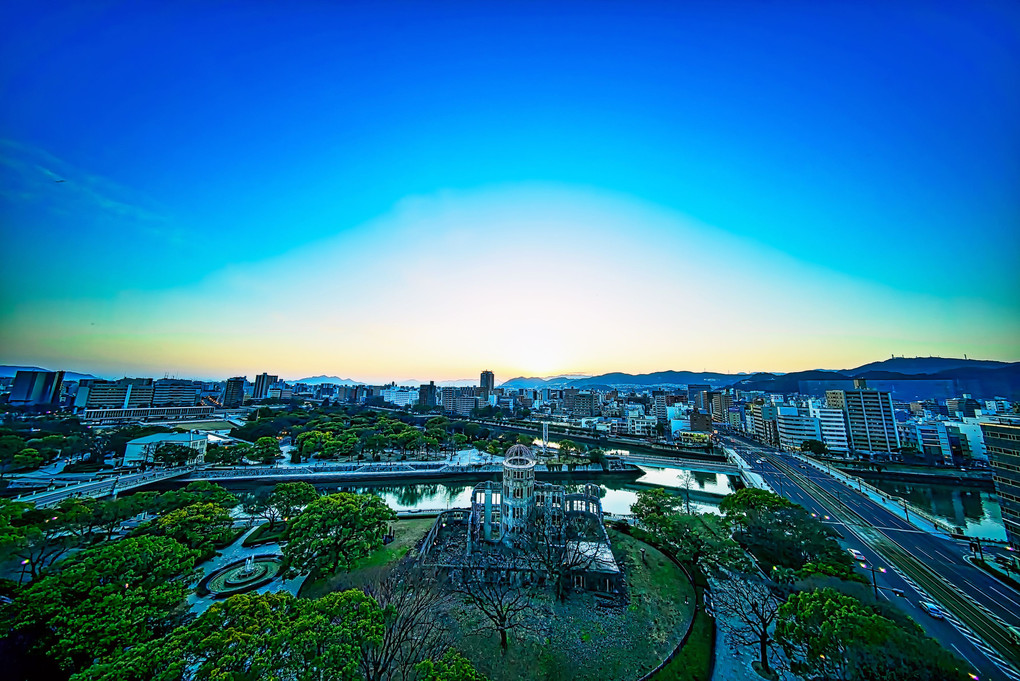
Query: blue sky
852, 170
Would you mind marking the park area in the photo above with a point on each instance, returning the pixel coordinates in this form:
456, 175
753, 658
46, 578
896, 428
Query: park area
584, 636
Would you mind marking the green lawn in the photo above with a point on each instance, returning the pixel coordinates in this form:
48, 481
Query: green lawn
694, 661
262, 535
577, 640
406, 534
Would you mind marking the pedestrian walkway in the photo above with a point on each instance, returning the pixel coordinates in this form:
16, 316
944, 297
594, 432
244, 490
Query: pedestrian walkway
237, 552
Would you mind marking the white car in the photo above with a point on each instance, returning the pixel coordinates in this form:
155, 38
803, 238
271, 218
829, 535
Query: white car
932, 609
857, 555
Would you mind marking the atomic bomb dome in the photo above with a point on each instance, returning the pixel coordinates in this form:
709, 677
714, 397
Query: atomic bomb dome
518, 499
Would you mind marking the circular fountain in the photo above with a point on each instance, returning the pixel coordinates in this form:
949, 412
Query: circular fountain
241, 576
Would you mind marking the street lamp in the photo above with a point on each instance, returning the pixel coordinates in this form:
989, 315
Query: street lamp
873, 569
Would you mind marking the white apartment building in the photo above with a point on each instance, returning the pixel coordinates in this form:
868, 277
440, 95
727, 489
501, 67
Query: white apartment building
795, 427
400, 396
641, 426
833, 427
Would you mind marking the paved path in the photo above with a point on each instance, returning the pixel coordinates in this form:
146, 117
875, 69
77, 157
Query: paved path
733, 662
237, 552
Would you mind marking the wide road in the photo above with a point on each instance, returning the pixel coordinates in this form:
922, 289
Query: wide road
979, 605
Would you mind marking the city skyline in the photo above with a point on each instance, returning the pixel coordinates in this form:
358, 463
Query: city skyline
417, 192
466, 379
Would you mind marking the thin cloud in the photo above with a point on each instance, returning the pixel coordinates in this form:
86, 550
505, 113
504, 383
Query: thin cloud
38, 173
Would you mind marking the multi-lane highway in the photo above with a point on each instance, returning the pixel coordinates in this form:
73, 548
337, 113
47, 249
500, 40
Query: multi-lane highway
926, 567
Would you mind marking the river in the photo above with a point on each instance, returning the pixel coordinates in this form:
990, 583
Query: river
706, 489
973, 508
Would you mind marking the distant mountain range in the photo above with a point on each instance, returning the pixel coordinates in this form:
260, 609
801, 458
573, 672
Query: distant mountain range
7, 370
622, 379
316, 380
908, 378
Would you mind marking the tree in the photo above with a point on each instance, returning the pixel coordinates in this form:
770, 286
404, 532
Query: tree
702, 540
743, 502
335, 531
81, 516
561, 549
826, 634
751, 607
256, 636
488, 584
200, 491
10, 445
200, 526
411, 600
173, 454
94, 446
289, 497
266, 450
106, 598
653, 506
814, 446
687, 481
112, 513
40, 537
28, 458
11, 536
789, 537
452, 666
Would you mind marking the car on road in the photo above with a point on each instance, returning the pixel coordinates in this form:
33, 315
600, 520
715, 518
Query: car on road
932, 609
857, 555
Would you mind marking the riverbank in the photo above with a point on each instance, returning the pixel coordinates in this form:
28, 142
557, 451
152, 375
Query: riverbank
981, 478
406, 472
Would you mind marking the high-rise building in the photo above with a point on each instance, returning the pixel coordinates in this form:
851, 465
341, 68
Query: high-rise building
487, 382
1003, 443
962, 406
125, 393
427, 394
168, 392
233, 392
448, 398
659, 405
464, 404
263, 382
585, 404
762, 417
693, 391
794, 427
36, 387
721, 403
833, 427
701, 422
870, 418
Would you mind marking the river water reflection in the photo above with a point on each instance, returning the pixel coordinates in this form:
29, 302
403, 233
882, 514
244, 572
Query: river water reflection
617, 496
973, 508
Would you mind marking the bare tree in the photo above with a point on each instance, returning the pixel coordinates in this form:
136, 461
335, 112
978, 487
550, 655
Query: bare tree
495, 585
687, 481
559, 549
750, 607
411, 599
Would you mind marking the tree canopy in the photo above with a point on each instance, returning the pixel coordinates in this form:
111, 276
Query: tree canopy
334, 531
257, 636
106, 598
826, 634
201, 526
